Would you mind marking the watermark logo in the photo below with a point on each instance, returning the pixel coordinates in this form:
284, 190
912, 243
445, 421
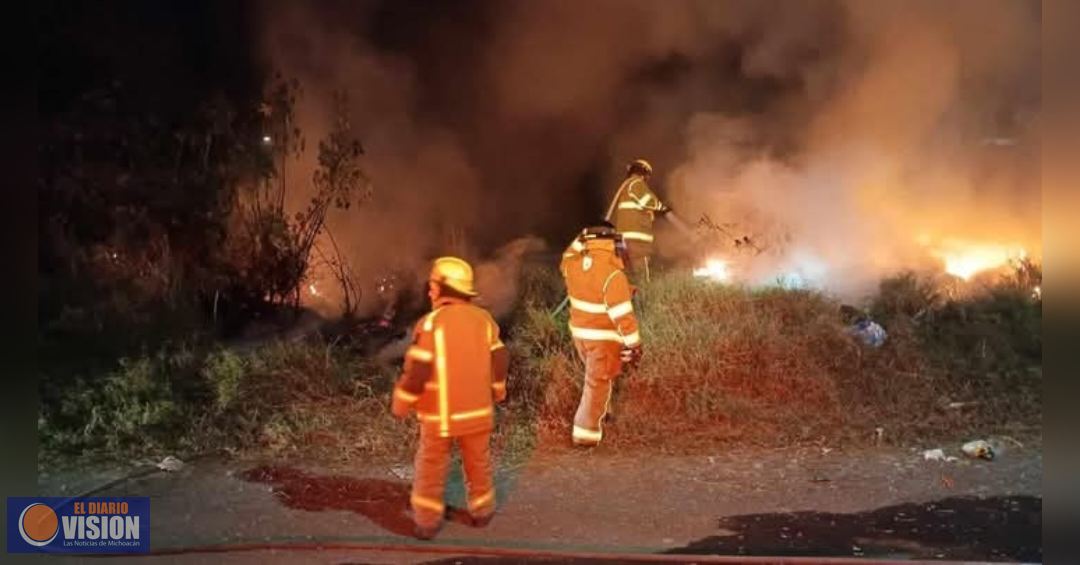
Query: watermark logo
38, 524
78, 525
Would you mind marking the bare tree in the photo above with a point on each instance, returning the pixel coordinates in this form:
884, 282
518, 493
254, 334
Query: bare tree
276, 250
725, 234
339, 182
342, 272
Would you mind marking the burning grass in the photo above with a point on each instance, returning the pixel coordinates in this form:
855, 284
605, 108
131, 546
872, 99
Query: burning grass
775, 367
724, 366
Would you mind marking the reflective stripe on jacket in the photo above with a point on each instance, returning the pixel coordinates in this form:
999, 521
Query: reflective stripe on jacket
599, 292
634, 208
455, 367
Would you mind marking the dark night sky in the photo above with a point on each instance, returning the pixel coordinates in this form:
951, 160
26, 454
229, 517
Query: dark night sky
537, 171
169, 54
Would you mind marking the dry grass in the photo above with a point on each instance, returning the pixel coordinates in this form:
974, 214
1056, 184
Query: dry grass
724, 366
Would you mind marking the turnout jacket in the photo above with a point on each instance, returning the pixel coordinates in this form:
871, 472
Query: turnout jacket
600, 293
634, 210
455, 368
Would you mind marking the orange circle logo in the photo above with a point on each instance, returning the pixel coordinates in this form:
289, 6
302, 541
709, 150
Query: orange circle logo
38, 524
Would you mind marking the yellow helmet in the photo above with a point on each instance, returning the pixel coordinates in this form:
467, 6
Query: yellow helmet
639, 165
455, 273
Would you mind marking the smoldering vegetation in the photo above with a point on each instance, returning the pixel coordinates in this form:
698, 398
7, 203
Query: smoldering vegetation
853, 141
216, 260
724, 367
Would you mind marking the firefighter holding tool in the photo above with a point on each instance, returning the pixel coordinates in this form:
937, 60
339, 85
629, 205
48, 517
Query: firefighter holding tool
454, 371
633, 211
602, 322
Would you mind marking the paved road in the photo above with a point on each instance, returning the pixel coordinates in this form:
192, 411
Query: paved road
887, 503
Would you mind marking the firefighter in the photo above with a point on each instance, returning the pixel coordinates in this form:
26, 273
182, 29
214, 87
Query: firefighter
454, 370
633, 211
602, 322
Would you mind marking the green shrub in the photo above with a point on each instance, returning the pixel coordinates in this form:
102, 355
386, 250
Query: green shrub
723, 365
225, 372
906, 294
281, 396
139, 406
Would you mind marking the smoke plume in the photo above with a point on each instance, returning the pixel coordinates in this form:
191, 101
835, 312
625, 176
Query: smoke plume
851, 138
925, 137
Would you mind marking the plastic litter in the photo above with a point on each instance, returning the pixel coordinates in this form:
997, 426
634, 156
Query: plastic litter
861, 327
869, 332
934, 455
937, 455
170, 464
403, 472
979, 449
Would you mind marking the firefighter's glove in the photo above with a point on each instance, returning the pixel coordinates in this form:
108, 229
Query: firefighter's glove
631, 356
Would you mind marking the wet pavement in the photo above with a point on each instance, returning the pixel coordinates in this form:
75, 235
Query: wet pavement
382, 501
962, 528
884, 504
954, 529
1007, 528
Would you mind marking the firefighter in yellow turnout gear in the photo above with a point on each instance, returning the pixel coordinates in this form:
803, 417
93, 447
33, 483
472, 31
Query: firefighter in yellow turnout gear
633, 211
454, 371
602, 323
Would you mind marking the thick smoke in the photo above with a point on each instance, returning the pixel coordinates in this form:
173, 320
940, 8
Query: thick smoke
425, 190
925, 138
850, 137
496, 281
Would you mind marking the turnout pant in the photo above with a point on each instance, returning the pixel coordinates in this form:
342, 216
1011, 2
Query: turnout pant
602, 365
429, 475
639, 252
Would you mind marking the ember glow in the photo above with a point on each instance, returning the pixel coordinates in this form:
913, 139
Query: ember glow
715, 269
313, 290
965, 260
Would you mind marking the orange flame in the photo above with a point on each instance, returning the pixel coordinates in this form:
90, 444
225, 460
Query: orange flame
965, 260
